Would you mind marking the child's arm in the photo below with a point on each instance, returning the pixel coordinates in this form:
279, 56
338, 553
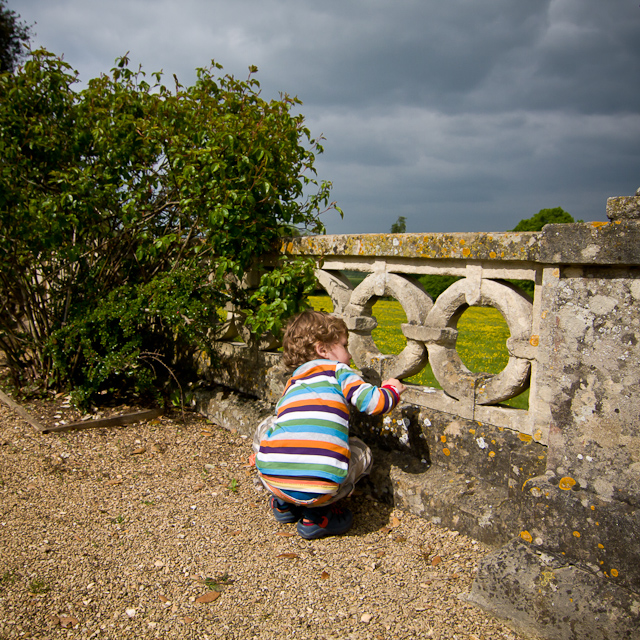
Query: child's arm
367, 397
395, 386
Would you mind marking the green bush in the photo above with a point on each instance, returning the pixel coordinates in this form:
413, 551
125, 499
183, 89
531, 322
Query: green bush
130, 213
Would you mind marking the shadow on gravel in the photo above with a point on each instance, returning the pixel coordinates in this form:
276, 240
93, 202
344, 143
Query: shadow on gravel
372, 501
368, 514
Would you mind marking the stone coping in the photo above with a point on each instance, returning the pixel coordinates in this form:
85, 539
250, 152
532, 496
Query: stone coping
593, 243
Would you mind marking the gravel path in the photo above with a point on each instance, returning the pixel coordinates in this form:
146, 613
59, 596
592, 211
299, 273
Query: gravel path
122, 533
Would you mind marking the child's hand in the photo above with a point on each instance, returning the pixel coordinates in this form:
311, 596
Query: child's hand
396, 384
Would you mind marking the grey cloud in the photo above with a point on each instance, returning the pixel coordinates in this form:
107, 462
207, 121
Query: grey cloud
458, 115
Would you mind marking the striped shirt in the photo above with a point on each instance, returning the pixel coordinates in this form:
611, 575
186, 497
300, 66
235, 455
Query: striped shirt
306, 452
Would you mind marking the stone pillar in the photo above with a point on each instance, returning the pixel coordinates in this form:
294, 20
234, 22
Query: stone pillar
574, 571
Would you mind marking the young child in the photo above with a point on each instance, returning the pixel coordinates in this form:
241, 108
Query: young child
304, 455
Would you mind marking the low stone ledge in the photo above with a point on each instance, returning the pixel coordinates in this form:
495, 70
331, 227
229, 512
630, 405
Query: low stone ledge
453, 500
539, 594
232, 410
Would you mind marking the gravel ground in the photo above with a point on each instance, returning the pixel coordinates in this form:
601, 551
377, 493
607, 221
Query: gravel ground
158, 530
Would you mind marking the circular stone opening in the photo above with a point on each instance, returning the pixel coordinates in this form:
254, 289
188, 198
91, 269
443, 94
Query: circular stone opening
321, 302
388, 336
482, 340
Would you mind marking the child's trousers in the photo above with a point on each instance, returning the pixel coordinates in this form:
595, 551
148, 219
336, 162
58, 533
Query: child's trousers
360, 462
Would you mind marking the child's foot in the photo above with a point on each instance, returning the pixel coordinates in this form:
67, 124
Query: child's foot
327, 521
284, 511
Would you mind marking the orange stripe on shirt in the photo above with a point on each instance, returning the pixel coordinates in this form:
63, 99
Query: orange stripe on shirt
315, 403
307, 444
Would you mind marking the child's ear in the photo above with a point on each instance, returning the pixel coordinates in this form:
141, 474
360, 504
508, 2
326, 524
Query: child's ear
321, 350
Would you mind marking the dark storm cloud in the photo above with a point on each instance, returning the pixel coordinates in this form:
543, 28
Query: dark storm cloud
459, 115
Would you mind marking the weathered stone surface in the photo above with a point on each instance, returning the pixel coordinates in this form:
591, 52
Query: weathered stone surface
231, 410
601, 243
562, 475
579, 243
542, 595
464, 246
416, 304
601, 536
455, 500
337, 286
594, 370
246, 369
624, 208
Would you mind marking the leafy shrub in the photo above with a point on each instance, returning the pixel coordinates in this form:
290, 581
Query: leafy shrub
130, 213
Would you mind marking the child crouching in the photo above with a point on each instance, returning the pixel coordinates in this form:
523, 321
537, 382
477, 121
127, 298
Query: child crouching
304, 454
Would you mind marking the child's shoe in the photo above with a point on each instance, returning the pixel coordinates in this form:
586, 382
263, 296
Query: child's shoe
284, 511
327, 521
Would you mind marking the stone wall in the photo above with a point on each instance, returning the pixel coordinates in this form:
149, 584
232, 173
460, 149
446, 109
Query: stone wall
554, 488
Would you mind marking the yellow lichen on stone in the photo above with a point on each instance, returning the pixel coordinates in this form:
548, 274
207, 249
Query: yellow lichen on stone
492, 454
446, 451
443, 438
534, 341
547, 577
466, 252
576, 534
614, 573
600, 545
525, 437
566, 483
525, 535
472, 432
537, 436
492, 255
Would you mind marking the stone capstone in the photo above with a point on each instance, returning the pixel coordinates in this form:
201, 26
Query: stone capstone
624, 208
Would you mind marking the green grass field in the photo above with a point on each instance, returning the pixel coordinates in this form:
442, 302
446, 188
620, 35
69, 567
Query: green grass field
482, 338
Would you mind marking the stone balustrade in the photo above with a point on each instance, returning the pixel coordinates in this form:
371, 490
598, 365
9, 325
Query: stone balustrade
555, 487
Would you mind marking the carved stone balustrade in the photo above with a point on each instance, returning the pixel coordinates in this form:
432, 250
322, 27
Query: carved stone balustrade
555, 487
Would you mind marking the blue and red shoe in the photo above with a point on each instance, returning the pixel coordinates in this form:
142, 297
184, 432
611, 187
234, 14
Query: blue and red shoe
285, 512
324, 521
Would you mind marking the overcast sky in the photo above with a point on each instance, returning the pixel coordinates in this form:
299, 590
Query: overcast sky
460, 115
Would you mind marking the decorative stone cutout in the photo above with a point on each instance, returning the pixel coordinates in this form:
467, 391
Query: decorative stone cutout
337, 286
359, 317
448, 368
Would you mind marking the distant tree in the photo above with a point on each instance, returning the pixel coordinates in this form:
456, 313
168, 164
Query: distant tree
400, 225
556, 215
13, 34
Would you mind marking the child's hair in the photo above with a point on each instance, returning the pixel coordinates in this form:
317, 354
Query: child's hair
307, 329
